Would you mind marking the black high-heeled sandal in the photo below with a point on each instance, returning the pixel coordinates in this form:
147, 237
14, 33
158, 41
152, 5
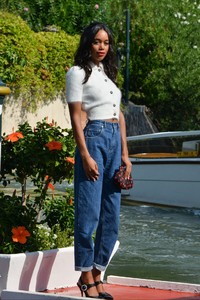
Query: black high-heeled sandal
85, 287
103, 295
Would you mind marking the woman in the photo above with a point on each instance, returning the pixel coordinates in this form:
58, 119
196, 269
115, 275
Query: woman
101, 148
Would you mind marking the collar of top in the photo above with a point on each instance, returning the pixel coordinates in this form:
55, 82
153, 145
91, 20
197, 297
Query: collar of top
95, 67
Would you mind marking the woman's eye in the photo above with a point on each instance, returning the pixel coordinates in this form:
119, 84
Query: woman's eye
99, 42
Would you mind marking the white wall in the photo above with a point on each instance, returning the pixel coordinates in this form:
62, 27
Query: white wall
13, 114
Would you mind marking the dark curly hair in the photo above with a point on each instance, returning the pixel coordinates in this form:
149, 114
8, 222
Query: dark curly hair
83, 54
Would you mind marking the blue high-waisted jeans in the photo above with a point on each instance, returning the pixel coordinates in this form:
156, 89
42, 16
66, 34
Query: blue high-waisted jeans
97, 203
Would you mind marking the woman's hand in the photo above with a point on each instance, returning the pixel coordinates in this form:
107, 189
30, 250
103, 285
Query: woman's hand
128, 165
91, 168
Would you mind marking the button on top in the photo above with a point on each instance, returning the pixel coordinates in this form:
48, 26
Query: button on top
105, 80
111, 92
99, 70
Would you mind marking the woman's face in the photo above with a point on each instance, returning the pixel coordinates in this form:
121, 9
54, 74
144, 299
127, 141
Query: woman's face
100, 46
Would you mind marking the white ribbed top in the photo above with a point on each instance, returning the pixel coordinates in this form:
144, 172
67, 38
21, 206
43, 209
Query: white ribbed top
100, 97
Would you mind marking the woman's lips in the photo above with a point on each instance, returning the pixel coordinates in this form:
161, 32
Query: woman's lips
101, 54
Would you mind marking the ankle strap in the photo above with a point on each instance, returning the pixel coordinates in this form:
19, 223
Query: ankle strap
85, 287
98, 282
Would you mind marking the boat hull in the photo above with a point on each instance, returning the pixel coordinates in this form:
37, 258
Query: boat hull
168, 182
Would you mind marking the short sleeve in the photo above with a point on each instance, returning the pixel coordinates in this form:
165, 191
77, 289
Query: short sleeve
74, 84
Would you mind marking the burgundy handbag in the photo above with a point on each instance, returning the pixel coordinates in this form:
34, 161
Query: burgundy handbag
120, 180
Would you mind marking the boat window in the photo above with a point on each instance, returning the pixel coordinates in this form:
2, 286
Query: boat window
165, 146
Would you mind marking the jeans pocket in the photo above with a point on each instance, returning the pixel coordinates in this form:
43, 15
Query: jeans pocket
93, 130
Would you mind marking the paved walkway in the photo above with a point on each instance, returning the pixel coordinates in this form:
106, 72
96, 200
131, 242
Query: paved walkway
120, 292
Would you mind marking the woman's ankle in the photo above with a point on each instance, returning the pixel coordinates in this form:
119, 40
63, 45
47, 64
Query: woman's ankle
87, 277
96, 275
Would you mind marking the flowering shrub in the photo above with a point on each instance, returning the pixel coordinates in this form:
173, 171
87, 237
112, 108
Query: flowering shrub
21, 230
43, 155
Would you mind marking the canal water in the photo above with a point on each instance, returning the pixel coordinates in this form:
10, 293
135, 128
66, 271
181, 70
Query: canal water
158, 243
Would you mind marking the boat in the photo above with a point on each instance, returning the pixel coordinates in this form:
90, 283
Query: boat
166, 169
121, 288
41, 276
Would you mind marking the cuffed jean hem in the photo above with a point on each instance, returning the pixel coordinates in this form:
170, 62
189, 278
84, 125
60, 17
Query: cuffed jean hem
100, 268
83, 269
86, 269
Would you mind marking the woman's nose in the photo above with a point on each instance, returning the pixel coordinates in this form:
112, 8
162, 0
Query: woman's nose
102, 46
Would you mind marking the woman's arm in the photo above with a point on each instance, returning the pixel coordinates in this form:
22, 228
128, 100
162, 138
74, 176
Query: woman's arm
125, 158
89, 164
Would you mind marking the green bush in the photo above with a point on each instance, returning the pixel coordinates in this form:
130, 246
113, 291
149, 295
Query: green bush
33, 64
43, 155
72, 16
42, 235
165, 65
60, 210
40, 154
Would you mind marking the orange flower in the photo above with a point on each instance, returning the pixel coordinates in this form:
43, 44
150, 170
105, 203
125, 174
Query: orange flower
51, 186
71, 160
52, 123
20, 234
67, 68
53, 145
70, 201
14, 137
